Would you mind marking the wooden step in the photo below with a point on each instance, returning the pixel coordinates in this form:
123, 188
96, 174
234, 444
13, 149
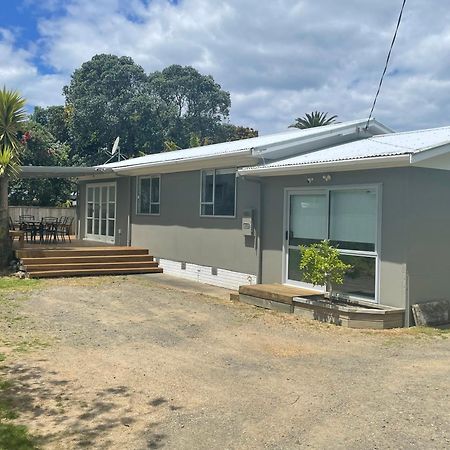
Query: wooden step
94, 272
68, 266
86, 259
80, 251
275, 292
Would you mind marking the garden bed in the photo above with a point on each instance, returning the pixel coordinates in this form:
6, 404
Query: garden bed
349, 313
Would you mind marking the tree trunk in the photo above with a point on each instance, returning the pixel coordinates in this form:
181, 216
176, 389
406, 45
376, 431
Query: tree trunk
5, 242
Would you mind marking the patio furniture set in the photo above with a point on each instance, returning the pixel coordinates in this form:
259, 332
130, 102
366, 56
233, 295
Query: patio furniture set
47, 229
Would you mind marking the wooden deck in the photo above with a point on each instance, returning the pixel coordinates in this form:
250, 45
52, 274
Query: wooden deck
272, 296
310, 304
60, 244
84, 258
275, 292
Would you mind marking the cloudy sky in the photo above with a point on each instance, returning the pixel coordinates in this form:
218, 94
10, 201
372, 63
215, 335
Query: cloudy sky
278, 58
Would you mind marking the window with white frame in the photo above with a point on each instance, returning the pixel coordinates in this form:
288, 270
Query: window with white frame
218, 192
348, 218
148, 194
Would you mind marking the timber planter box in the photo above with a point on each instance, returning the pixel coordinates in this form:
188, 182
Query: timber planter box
351, 314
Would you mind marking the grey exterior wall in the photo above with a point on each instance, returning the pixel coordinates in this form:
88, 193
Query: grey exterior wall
415, 230
415, 227
180, 234
428, 235
122, 207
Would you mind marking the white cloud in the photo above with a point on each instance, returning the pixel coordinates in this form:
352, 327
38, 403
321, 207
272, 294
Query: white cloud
279, 59
17, 71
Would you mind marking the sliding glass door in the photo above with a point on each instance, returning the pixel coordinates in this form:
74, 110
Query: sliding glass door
101, 212
345, 216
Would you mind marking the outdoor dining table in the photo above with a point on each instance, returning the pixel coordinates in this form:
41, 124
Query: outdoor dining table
33, 226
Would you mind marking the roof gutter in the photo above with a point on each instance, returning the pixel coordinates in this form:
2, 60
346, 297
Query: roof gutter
59, 171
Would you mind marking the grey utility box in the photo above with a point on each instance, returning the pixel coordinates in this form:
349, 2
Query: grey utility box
247, 222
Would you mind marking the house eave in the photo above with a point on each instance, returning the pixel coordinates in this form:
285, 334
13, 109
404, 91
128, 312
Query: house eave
56, 171
235, 159
331, 166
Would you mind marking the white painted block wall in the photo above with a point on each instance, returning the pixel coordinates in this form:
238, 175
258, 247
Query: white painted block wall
203, 274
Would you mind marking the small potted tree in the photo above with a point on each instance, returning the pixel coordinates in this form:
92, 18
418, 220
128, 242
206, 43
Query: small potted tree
321, 265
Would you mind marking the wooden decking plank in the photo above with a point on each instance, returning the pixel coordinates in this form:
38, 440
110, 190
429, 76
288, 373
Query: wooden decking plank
86, 259
275, 292
86, 266
93, 272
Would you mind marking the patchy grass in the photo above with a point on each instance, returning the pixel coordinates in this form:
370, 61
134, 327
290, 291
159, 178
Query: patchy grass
428, 331
30, 345
16, 284
12, 436
15, 437
401, 336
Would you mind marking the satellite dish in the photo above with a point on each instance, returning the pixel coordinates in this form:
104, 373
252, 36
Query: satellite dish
115, 146
115, 152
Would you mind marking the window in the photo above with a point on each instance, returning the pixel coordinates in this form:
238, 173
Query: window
148, 195
218, 192
348, 218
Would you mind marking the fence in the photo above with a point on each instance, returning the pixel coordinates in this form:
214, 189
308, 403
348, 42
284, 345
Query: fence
43, 211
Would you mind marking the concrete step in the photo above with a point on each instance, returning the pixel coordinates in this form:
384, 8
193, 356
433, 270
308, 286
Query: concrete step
94, 272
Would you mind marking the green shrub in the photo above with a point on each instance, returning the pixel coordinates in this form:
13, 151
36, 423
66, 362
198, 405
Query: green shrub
321, 265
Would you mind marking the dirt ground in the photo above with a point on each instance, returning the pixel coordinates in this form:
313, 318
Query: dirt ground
146, 363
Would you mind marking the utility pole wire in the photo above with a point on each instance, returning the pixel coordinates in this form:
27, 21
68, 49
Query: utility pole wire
387, 63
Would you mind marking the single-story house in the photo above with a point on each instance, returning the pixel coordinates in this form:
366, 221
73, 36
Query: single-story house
235, 213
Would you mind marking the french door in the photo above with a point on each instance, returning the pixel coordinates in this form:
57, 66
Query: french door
348, 218
101, 212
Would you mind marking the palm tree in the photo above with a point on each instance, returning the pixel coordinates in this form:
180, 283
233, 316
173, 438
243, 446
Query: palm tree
315, 119
12, 114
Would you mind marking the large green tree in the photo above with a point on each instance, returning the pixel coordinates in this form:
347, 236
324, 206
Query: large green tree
110, 96
196, 103
313, 119
55, 121
12, 115
228, 132
41, 148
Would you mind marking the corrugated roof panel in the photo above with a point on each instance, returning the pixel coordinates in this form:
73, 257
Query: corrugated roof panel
410, 142
225, 148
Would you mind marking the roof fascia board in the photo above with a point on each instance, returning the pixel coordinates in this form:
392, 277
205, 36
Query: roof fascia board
55, 171
234, 159
299, 140
430, 152
380, 127
333, 166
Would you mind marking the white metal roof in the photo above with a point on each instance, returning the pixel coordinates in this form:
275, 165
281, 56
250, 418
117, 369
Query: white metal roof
400, 147
247, 151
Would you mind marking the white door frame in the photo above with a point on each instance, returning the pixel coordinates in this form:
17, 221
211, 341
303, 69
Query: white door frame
99, 237
288, 192
326, 190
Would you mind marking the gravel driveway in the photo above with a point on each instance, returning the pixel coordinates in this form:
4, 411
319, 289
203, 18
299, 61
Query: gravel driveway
144, 362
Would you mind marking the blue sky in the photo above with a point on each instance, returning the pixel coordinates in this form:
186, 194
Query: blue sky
278, 59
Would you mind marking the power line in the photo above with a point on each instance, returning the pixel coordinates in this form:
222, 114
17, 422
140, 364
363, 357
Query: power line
387, 63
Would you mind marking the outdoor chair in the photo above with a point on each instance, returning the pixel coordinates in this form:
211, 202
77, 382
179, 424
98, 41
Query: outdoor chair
12, 227
26, 224
64, 227
48, 229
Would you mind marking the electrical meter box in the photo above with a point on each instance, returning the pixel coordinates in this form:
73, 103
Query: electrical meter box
247, 222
